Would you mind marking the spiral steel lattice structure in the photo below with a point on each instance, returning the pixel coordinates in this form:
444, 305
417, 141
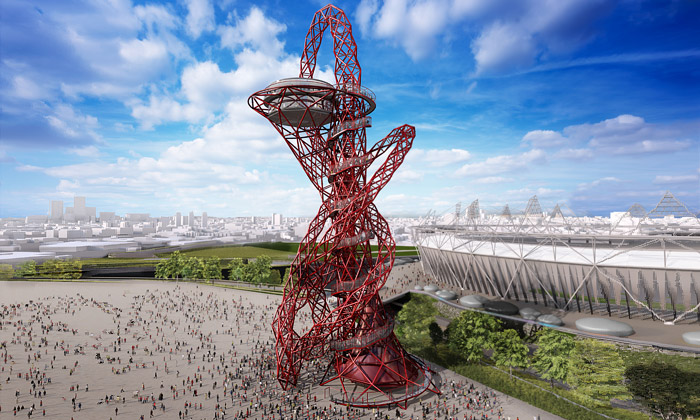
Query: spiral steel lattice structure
324, 126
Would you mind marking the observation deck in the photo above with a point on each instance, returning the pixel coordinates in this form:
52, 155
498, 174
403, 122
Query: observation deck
305, 103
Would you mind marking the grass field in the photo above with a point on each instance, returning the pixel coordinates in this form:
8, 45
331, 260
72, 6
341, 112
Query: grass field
278, 251
275, 250
117, 262
236, 251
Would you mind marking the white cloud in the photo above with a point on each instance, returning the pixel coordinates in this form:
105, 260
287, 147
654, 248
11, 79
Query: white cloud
414, 26
72, 123
26, 88
254, 31
87, 151
511, 35
675, 179
502, 164
492, 180
502, 47
206, 90
125, 48
437, 157
575, 154
200, 17
544, 138
623, 135
598, 182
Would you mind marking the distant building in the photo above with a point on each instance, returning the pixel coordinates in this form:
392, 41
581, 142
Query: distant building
79, 210
137, 217
178, 219
204, 219
190, 219
91, 213
107, 216
56, 214
276, 219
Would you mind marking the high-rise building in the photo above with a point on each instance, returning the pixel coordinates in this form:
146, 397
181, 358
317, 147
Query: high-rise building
178, 219
276, 219
204, 219
56, 210
107, 216
79, 209
190, 219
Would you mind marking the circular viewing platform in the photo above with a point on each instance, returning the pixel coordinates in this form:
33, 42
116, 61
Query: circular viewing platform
302, 102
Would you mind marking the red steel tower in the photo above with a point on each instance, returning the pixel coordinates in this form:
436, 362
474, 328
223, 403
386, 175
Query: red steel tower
324, 126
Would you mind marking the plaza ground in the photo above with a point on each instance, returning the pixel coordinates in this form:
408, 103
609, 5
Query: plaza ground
186, 338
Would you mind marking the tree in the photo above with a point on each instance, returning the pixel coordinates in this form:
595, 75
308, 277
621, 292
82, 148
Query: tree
664, 389
413, 321
273, 278
73, 270
509, 351
193, 268
176, 264
236, 268
212, 268
6, 271
552, 355
27, 269
61, 269
259, 269
472, 333
52, 269
436, 334
596, 370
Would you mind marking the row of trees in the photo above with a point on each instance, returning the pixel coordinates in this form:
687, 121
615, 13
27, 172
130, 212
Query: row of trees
57, 269
179, 266
595, 370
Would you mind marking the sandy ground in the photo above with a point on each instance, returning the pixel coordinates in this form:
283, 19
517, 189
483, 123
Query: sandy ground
208, 350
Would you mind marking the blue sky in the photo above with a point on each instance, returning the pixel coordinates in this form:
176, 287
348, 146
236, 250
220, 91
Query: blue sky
141, 106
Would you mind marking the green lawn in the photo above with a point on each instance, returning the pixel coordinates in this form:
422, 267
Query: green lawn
117, 262
236, 251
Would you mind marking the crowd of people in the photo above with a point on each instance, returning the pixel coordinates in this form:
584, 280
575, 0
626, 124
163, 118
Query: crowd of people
149, 350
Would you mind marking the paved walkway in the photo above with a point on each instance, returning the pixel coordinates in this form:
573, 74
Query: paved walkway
174, 350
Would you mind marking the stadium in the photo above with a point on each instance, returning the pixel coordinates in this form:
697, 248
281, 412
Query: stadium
633, 264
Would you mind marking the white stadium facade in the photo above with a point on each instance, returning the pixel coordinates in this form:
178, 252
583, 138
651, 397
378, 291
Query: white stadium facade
633, 264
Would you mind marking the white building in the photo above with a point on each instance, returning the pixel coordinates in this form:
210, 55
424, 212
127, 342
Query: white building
56, 213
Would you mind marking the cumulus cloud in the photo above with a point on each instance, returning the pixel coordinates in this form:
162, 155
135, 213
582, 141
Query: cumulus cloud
255, 31
437, 157
543, 138
206, 90
502, 47
72, 123
509, 35
200, 17
502, 164
623, 135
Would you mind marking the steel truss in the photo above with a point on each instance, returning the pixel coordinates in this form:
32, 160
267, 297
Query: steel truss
632, 265
324, 127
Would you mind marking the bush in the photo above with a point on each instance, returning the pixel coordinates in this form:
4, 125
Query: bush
6, 271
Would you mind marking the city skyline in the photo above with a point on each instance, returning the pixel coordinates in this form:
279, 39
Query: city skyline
141, 108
